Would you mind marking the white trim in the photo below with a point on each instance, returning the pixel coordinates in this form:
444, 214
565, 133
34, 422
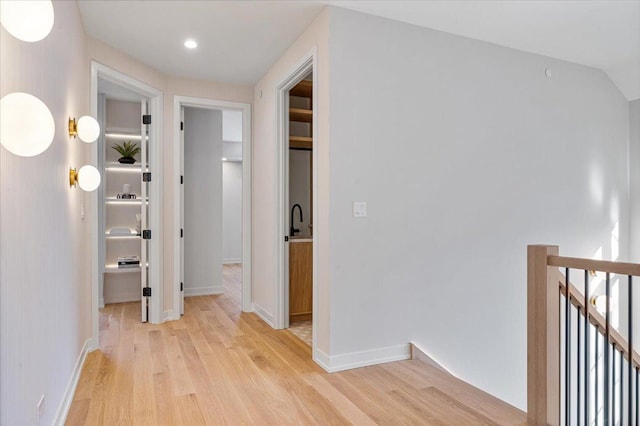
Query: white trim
170, 316
67, 399
232, 261
308, 62
101, 303
123, 298
420, 354
178, 103
263, 314
155, 96
203, 291
352, 360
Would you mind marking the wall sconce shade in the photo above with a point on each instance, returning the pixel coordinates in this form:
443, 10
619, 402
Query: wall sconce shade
88, 177
600, 303
86, 128
26, 124
27, 20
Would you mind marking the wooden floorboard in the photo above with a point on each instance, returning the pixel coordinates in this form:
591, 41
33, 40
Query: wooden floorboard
217, 365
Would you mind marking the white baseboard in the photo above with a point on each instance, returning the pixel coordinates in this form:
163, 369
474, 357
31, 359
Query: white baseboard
63, 409
123, 298
169, 316
351, 360
229, 261
93, 344
263, 314
203, 291
420, 354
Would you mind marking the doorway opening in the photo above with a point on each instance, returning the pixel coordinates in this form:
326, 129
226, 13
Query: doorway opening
125, 211
300, 182
296, 298
212, 155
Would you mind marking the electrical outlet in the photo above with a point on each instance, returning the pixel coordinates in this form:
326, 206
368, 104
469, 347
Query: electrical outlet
40, 407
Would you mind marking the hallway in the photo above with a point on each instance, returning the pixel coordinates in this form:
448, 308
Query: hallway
217, 365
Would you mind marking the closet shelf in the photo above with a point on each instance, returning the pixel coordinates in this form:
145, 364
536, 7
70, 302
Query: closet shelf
119, 167
121, 237
304, 142
299, 114
114, 200
113, 269
304, 89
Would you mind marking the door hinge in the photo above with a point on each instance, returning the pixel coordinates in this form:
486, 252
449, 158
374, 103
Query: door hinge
181, 179
146, 176
146, 119
181, 286
146, 291
181, 232
182, 125
286, 238
146, 234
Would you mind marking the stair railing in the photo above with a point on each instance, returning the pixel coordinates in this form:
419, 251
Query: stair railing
580, 369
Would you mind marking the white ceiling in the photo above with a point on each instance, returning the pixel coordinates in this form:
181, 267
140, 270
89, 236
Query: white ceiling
237, 40
240, 40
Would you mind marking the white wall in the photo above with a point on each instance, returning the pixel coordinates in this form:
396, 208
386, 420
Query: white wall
634, 176
634, 188
202, 201
265, 178
232, 126
45, 290
231, 150
465, 154
231, 212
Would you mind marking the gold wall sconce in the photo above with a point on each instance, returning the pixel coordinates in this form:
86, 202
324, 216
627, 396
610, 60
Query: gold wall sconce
88, 178
600, 303
86, 128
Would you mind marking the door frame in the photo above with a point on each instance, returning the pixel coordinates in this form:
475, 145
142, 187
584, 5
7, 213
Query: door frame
306, 64
178, 152
155, 98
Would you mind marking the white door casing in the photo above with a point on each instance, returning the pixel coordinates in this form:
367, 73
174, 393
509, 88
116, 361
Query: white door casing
178, 209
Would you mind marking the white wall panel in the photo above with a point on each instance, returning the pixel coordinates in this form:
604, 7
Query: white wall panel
45, 288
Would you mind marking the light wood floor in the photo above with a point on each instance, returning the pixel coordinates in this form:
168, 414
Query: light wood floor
219, 366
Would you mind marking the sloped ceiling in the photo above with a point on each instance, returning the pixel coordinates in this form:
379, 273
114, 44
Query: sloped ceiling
240, 40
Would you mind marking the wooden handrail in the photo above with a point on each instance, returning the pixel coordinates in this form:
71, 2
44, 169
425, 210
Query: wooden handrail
543, 338
545, 283
597, 320
594, 265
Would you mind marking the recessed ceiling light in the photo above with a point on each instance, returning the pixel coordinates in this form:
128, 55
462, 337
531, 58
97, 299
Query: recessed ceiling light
190, 44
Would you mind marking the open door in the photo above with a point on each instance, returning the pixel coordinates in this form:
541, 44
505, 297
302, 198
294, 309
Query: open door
146, 232
181, 210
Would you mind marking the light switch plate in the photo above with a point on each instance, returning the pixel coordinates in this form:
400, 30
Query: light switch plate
359, 209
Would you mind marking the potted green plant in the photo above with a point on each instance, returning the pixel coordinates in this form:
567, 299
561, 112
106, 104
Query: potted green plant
128, 150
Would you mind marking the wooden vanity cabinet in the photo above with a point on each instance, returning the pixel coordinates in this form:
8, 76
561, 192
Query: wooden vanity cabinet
300, 281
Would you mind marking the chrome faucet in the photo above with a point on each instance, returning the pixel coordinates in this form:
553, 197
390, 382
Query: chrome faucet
292, 230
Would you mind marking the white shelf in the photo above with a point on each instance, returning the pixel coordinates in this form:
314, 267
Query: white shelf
123, 134
121, 237
113, 269
114, 200
114, 166
118, 130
